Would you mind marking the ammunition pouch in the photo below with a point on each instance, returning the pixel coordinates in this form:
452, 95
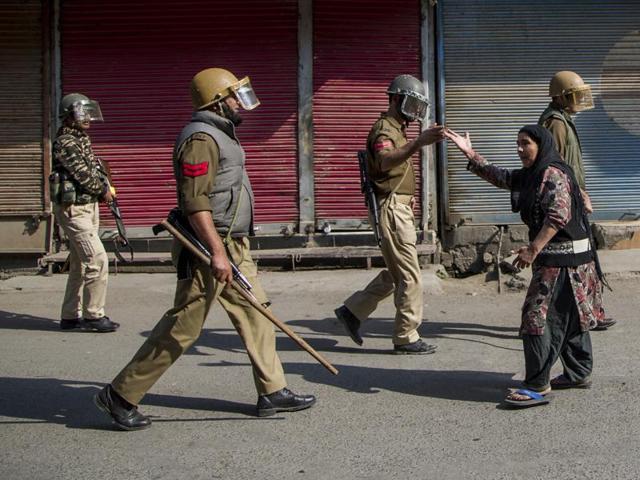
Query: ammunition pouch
62, 188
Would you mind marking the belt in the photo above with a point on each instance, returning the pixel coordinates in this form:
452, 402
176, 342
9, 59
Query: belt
569, 247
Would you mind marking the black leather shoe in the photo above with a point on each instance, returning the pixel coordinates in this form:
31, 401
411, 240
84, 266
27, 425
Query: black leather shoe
604, 325
100, 325
283, 401
349, 322
415, 348
70, 324
125, 417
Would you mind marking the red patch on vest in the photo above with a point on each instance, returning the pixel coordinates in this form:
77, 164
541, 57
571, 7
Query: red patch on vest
195, 170
382, 145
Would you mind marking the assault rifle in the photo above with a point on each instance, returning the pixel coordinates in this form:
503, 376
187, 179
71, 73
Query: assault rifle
175, 225
177, 221
121, 239
370, 199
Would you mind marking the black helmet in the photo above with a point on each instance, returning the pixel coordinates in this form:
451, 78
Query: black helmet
414, 104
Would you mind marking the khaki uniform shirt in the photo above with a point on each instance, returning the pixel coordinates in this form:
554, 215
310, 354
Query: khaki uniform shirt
387, 134
196, 167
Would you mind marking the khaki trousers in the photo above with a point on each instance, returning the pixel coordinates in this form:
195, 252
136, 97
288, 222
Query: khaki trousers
86, 290
181, 326
402, 277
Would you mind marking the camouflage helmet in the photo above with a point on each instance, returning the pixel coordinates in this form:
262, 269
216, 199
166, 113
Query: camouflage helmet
215, 84
572, 90
81, 107
414, 103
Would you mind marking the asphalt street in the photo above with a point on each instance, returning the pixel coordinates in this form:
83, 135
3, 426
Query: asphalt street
382, 417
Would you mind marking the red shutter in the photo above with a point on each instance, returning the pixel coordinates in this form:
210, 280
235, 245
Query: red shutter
137, 58
359, 47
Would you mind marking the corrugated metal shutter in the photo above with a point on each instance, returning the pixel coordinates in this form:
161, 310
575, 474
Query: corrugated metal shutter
359, 47
137, 59
21, 109
499, 58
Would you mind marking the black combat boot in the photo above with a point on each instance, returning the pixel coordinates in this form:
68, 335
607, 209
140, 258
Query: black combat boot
66, 324
100, 325
415, 348
283, 401
349, 322
123, 414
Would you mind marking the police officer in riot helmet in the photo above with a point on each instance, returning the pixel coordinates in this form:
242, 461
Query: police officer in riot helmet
77, 184
390, 167
569, 96
216, 202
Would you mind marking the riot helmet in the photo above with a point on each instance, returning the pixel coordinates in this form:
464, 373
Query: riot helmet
215, 84
571, 91
80, 107
414, 99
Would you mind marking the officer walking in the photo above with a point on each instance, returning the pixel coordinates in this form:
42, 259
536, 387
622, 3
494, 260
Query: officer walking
391, 169
215, 196
77, 185
570, 95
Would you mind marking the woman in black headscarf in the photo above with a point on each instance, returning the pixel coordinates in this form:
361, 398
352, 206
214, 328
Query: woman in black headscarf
564, 296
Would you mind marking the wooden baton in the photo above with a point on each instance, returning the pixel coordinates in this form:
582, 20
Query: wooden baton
252, 300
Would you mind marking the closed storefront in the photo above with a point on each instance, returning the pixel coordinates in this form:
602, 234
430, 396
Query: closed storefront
359, 47
137, 59
23, 166
498, 59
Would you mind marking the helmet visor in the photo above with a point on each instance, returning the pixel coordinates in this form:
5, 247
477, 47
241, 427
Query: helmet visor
245, 95
87, 111
581, 98
414, 106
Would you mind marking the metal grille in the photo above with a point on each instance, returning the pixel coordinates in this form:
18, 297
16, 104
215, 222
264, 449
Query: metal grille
137, 59
499, 58
359, 47
21, 114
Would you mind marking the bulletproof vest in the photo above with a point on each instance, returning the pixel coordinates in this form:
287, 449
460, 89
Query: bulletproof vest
63, 187
232, 195
573, 151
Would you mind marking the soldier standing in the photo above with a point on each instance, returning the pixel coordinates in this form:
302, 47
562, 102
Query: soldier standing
390, 167
77, 185
215, 196
570, 95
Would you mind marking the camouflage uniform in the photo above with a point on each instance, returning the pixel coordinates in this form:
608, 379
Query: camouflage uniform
547, 308
86, 289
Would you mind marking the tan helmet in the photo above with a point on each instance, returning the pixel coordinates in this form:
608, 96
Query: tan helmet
572, 90
214, 84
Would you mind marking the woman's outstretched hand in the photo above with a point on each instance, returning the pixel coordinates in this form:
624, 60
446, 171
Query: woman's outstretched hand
463, 143
526, 256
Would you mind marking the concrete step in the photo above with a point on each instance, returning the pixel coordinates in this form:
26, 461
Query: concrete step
289, 257
617, 235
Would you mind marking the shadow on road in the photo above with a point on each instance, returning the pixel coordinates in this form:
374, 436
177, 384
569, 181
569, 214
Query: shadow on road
384, 327
226, 338
461, 385
70, 403
21, 321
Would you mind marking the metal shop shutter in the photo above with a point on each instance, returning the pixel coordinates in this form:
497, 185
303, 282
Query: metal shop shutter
21, 109
137, 59
498, 59
359, 47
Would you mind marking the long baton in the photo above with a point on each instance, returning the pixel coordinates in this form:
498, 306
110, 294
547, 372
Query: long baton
252, 300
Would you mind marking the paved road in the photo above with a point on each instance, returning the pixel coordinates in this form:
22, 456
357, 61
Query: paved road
427, 417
